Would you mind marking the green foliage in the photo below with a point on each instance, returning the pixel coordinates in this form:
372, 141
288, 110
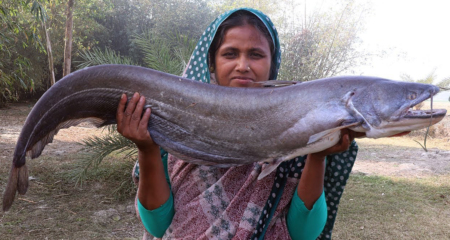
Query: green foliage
168, 54
24, 64
98, 57
38, 11
17, 41
124, 19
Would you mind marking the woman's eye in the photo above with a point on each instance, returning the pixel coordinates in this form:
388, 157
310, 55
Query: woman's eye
256, 55
229, 54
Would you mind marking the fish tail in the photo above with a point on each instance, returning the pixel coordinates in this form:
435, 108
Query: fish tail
18, 181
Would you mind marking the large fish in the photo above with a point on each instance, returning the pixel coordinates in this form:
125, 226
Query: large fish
222, 126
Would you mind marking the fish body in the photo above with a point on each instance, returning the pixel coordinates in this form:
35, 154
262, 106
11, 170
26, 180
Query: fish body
222, 126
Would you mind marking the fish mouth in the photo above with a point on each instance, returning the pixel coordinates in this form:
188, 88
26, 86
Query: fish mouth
422, 114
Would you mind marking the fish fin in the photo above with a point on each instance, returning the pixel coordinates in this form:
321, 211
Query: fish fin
316, 143
275, 83
268, 168
17, 182
38, 147
22, 182
330, 133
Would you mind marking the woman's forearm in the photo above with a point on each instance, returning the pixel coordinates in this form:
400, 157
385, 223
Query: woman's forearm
310, 186
153, 189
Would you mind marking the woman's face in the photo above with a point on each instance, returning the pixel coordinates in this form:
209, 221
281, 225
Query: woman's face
243, 58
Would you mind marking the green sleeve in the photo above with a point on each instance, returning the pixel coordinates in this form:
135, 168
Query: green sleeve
304, 224
158, 220
164, 156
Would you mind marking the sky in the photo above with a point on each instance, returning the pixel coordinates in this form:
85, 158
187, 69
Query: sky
415, 34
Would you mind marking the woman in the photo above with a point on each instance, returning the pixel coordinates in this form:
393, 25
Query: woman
181, 200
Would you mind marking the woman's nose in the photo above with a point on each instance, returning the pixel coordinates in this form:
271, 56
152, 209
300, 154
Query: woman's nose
242, 65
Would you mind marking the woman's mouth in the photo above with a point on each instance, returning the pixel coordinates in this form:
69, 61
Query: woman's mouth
243, 81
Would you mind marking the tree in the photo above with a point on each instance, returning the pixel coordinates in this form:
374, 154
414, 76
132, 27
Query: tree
124, 19
321, 44
266, 6
49, 51
68, 39
188, 18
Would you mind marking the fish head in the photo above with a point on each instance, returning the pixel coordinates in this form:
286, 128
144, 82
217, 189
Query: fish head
385, 107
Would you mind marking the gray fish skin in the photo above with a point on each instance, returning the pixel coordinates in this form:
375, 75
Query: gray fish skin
222, 126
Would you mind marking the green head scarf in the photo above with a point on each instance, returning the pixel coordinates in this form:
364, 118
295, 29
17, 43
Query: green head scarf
198, 66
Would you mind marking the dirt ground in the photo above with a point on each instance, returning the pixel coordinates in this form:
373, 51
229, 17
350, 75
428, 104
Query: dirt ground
54, 208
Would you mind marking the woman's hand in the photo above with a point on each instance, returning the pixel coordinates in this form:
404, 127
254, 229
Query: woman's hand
347, 137
131, 125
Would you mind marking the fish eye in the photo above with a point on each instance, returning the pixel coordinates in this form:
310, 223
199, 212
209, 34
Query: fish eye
412, 96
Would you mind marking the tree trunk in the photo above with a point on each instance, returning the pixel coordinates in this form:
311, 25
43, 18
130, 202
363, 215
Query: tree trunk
50, 55
68, 38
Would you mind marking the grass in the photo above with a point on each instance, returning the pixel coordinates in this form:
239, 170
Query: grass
374, 207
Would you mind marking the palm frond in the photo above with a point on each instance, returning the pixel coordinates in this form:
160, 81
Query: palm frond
98, 148
186, 47
169, 54
97, 57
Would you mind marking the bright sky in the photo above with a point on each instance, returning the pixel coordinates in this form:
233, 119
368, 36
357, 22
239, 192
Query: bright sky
416, 30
